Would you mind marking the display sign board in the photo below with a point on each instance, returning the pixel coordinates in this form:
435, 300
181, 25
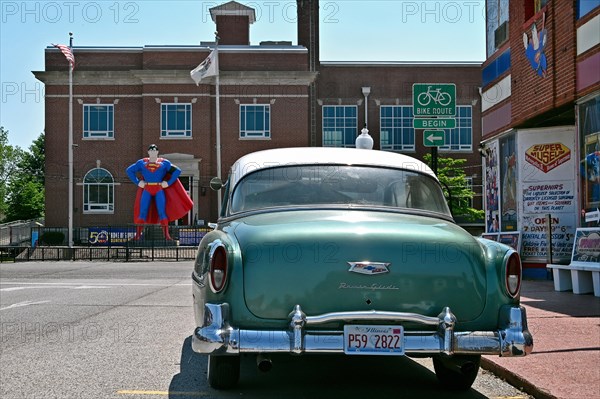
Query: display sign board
431, 123
434, 99
433, 138
586, 249
547, 185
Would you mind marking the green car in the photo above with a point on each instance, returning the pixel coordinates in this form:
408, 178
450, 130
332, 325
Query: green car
331, 250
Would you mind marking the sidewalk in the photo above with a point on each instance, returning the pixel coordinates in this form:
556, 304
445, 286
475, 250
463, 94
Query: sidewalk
565, 362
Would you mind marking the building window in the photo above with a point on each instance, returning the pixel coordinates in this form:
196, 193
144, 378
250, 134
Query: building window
98, 191
496, 24
533, 6
461, 137
175, 120
589, 164
255, 121
397, 132
584, 7
98, 121
340, 125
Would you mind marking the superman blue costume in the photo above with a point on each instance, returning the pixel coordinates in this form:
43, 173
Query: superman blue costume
159, 181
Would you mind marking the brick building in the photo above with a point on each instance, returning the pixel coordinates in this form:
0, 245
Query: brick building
273, 94
541, 123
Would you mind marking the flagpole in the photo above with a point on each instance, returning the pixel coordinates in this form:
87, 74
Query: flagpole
218, 120
70, 145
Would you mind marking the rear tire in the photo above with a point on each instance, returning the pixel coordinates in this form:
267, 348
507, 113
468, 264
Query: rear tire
223, 371
457, 372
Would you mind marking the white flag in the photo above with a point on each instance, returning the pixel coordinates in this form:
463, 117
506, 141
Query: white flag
208, 67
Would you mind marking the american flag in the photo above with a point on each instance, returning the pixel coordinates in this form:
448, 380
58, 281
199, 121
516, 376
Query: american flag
66, 50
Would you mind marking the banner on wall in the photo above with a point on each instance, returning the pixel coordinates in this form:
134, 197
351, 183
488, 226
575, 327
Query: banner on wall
547, 173
508, 174
492, 195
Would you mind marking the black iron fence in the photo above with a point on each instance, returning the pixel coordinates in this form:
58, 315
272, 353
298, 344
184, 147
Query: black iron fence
125, 254
119, 243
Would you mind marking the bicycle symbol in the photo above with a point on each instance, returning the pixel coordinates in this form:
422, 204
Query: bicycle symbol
438, 96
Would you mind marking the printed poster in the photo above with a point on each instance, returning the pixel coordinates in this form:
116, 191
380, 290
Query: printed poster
547, 165
492, 212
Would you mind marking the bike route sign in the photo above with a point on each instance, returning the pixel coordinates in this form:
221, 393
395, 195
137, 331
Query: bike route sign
434, 99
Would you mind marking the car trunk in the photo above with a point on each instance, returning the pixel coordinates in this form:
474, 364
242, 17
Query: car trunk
304, 257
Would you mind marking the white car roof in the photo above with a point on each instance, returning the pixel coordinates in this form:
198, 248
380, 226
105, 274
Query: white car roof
323, 156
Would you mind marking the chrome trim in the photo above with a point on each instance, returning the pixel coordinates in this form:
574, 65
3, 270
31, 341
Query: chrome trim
217, 336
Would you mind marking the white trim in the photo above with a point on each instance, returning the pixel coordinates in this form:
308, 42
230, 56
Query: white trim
173, 135
178, 94
496, 94
588, 35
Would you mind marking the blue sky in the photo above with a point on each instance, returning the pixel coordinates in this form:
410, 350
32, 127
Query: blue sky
351, 30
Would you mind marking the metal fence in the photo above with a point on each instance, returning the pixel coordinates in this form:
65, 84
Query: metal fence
113, 243
125, 254
17, 232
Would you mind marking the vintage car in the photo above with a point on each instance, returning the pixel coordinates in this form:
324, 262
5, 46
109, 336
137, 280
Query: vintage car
333, 251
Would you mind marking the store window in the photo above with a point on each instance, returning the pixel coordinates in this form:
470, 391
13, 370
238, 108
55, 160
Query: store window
98, 121
589, 131
397, 132
340, 125
255, 121
461, 137
98, 191
176, 120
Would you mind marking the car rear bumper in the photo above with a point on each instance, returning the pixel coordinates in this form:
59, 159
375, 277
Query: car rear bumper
217, 336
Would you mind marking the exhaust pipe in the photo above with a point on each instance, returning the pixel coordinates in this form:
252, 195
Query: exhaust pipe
263, 363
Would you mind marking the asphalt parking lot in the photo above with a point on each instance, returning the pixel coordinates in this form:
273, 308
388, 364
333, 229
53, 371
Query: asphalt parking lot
122, 330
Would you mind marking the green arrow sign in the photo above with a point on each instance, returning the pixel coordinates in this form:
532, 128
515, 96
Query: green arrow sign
439, 123
433, 138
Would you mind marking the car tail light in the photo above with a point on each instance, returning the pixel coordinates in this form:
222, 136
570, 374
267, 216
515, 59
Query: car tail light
513, 274
218, 268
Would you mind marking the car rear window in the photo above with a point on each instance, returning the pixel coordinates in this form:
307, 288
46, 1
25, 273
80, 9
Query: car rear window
302, 185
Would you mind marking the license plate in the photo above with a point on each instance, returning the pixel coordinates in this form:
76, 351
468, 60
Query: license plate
373, 340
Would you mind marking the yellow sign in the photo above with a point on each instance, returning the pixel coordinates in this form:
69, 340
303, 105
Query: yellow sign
547, 156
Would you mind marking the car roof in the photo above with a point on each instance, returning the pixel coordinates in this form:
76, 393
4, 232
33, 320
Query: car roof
323, 156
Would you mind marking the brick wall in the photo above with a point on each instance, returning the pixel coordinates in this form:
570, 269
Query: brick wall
533, 95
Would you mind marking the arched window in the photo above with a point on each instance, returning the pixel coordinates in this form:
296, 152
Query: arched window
98, 191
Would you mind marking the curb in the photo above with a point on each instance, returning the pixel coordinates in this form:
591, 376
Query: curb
516, 380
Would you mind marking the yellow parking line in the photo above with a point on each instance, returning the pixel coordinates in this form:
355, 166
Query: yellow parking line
159, 393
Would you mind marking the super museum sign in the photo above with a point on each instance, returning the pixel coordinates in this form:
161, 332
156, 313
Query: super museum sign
547, 186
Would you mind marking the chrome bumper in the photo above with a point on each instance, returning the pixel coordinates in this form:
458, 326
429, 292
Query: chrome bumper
216, 336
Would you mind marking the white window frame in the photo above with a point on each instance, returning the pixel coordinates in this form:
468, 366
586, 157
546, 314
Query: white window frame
166, 133
98, 207
247, 134
386, 135
461, 122
335, 136
88, 133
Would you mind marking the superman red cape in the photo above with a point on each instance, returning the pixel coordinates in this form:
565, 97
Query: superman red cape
178, 205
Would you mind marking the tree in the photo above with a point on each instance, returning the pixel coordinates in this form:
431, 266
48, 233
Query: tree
452, 176
9, 157
23, 177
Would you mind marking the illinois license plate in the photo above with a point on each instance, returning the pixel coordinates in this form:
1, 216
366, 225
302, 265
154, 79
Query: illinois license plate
373, 340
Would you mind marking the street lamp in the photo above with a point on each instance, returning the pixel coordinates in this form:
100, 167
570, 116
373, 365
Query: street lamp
364, 140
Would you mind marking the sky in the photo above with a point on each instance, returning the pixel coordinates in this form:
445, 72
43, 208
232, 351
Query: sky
350, 30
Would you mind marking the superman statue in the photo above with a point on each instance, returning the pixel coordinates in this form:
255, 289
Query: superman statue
157, 180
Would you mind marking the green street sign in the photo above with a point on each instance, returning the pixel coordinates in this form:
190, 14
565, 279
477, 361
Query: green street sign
433, 138
431, 123
434, 99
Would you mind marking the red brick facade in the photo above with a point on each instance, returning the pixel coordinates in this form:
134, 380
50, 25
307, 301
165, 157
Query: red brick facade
138, 80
